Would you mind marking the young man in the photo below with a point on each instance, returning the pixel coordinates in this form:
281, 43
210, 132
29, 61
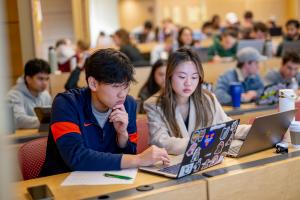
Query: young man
94, 128
225, 46
288, 70
292, 34
29, 92
246, 72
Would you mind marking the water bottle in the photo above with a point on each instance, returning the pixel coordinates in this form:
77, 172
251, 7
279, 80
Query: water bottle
268, 49
236, 92
52, 59
294, 85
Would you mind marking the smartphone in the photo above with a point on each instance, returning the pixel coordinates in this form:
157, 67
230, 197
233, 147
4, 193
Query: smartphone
40, 192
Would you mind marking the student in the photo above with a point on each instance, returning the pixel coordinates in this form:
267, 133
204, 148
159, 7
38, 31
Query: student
144, 34
226, 46
246, 72
292, 34
185, 37
94, 128
156, 80
66, 55
288, 70
29, 92
183, 106
162, 50
122, 40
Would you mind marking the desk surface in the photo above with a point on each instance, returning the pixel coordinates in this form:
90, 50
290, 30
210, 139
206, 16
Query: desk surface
76, 192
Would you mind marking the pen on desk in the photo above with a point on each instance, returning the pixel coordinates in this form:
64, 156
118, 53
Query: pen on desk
117, 176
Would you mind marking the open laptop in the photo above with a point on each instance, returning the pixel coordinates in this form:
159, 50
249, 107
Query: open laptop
275, 31
265, 132
44, 116
270, 95
206, 148
289, 46
256, 44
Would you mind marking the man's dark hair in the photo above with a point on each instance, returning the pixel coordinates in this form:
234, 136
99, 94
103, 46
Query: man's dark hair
148, 25
260, 26
230, 31
109, 66
35, 66
291, 56
248, 15
293, 22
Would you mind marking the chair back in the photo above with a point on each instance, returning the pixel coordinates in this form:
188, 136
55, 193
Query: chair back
143, 134
32, 157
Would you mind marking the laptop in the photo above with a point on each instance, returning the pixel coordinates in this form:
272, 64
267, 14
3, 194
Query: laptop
44, 116
291, 46
265, 132
203, 54
256, 44
270, 94
275, 31
206, 148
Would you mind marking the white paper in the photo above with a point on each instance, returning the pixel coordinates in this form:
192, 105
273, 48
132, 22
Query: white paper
98, 178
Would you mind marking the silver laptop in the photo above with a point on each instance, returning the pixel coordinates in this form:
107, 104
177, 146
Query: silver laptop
206, 148
265, 132
256, 44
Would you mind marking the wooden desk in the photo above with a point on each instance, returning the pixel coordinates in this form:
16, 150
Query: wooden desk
79, 192
277, 179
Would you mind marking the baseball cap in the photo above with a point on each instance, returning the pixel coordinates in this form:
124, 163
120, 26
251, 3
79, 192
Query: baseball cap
248, 54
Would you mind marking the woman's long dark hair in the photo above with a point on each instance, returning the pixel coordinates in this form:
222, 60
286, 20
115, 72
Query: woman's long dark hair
180, 32
167, 99
151, 87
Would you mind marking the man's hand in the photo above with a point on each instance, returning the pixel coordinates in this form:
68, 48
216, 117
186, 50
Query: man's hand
119, 118
152, 155
248, 96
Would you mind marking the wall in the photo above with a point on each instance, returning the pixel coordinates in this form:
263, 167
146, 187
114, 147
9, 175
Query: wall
134, 13
11, 30
57, 23
103, 15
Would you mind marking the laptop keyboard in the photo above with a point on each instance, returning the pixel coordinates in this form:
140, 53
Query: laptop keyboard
171, 169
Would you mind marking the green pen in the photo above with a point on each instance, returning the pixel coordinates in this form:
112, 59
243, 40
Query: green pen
117, 176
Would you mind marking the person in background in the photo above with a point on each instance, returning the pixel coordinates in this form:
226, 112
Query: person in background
30, 92
246, 72
226, 46
144, 34
94, 128
207, 30
162, 51
260, 31
66, 55
155, 81
292, 34
216, 23
104, 41
185, 37
248, 20
183, 106
122, 40
288, 70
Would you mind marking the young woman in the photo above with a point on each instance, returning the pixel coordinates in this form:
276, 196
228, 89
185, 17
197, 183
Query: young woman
185, 37
183, 106
156, 80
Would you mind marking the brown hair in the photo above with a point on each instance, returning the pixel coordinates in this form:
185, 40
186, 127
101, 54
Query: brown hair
124, 36
167, 99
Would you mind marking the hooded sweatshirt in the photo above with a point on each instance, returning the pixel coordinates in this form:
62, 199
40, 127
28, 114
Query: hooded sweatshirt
23, 102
